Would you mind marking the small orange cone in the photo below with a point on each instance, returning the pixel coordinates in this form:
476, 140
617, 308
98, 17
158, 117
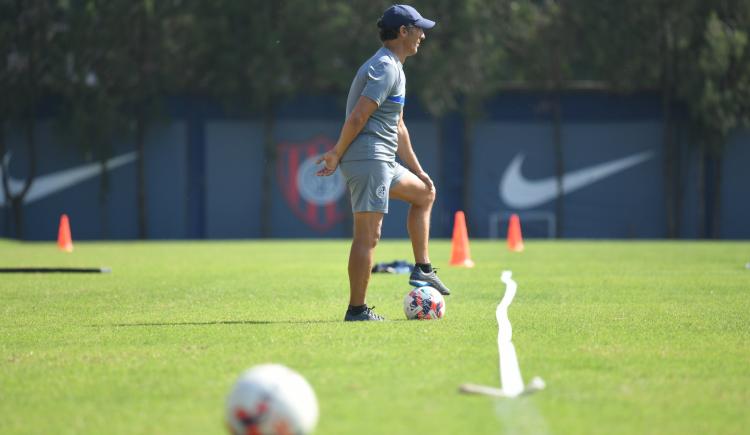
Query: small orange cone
64, 241
515, 240
460, 255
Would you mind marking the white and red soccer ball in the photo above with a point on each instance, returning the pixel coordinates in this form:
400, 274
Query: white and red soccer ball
271, 399
424, 303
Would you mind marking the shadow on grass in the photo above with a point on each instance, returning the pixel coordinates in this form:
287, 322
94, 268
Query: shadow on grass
218, 322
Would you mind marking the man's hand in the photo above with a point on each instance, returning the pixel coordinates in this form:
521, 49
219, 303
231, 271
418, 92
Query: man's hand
331, 159
426, 180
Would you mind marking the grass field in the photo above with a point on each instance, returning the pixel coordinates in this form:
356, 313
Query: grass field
631, 338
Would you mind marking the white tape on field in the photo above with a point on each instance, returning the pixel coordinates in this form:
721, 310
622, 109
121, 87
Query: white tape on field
510, 373
511, 381
518, 417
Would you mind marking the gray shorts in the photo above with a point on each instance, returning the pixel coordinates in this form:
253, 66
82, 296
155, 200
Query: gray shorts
369, 182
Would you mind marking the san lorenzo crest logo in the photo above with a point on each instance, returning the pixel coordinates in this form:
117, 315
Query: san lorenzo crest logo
312, 199
380, 192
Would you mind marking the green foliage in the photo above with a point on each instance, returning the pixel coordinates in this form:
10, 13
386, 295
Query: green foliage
462, 56
722, 97
31, 55
91, 115
251, 53
631, 338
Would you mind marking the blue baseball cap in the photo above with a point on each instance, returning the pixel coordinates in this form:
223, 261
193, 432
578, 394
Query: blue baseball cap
403, 15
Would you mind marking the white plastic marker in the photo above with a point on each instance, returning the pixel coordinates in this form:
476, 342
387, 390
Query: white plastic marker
510, 373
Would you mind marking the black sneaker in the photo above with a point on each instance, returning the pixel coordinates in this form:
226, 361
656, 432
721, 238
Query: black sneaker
421, 279
365, 315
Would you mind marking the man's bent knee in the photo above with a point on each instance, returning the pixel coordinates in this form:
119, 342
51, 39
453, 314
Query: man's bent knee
432, 195
426, 199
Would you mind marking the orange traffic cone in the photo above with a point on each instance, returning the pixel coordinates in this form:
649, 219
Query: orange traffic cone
64, 241
460, 251
515, 240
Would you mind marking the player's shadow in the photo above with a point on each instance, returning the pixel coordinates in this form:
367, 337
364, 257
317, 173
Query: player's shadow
218, 322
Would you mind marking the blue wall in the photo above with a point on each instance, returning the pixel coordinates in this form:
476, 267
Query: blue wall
205, 172
735, 187
234, 172
595, 130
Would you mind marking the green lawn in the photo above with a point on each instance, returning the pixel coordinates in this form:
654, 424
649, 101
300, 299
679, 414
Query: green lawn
631, 337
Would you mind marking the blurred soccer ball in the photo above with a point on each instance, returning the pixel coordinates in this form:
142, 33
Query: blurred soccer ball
424, 303
271, 399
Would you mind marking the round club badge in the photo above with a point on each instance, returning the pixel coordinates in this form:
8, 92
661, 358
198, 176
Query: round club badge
318, 190
380, 192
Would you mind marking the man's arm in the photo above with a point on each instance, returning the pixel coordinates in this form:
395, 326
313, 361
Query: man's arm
352, 126
407, 155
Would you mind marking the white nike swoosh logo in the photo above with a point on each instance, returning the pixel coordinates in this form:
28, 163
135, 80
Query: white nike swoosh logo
49, 184
519, 192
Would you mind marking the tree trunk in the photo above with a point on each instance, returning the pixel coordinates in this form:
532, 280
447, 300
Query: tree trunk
453, 152
17, 200
103, 197
141, 103
557, 131
269, 169
17, 210
669, 156
4, 179
140, 138
466, 146
668, 166
559, 162
701, 182
716, 214
471, 109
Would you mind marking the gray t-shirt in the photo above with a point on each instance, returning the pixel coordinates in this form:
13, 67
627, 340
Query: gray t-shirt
382, 80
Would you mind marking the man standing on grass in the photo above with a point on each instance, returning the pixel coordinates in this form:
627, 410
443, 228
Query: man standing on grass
373, 133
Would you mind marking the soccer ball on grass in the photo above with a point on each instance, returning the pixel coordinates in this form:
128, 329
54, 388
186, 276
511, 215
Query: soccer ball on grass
271, 399
424, 303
